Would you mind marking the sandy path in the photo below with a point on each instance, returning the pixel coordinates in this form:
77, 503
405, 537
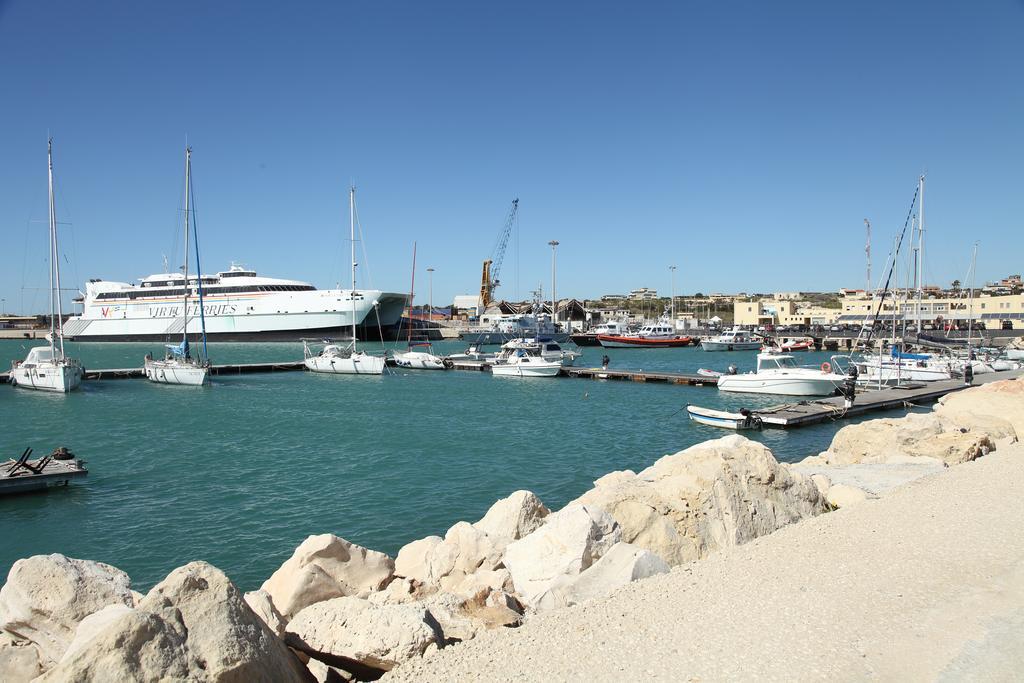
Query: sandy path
925, 583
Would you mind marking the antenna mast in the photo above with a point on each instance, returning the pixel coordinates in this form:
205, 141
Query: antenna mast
867, 251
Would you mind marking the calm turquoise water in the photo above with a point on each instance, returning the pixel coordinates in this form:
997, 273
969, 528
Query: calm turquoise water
240, 472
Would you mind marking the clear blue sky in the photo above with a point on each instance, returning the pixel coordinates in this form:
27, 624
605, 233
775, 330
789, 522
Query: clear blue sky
744, 142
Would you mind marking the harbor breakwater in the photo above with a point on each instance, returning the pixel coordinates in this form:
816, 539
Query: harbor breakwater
335, 610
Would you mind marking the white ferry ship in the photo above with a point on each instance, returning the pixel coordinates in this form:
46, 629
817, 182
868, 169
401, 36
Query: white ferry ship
239, 305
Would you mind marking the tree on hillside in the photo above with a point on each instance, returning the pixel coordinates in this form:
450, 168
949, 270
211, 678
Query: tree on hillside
956, 286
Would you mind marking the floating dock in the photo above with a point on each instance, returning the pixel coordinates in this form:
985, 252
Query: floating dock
640, 376
23, 475
235, 369
803, 413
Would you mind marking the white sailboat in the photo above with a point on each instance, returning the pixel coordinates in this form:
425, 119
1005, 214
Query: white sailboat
413, 358
335, 358
178, 365
47, 368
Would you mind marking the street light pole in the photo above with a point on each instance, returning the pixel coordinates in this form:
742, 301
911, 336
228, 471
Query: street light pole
554, 300
673, 269
430, 295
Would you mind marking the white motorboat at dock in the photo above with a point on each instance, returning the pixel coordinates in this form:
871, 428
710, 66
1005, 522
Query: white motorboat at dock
778, 373
732, 340
720, 418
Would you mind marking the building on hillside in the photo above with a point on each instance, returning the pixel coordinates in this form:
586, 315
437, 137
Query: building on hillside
993, 312
643, 294
614, 297
773, 313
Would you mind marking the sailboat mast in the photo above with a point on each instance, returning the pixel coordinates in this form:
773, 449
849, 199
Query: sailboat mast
53, 250
199, 282
352, 239
970, 299
920, 253
188, 184
412, 292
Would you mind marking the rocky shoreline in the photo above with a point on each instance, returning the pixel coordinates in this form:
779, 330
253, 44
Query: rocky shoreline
337, 611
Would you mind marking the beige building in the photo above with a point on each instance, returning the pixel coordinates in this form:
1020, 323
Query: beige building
990, 312
775, 312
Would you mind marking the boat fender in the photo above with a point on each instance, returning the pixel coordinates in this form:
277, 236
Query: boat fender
826, 368
732, 370
448, 363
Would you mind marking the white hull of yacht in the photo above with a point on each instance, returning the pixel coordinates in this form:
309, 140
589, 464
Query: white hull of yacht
176, 372
55, 377
781, 384
1015, 354
709, 345
532, 368
419, 360
358, 363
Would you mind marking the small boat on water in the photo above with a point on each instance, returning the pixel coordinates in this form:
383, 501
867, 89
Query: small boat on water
778, 373
419, 354
56, 469
744, 419
472, 353
526, 358
796, 344
659, 335
178, 366
590, 337
348, 359
732, 340
47, 368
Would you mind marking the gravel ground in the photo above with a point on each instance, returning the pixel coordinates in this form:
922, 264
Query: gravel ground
924, 583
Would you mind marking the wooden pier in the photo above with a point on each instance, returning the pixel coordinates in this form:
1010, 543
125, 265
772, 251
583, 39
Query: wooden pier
803, 413
641, 376
233, 369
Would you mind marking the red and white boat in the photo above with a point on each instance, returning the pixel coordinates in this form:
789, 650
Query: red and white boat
659, 335
799, 344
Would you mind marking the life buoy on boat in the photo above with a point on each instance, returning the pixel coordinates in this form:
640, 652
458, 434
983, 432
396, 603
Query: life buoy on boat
826, 368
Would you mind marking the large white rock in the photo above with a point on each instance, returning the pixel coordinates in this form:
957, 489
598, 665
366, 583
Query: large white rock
621, 565
229, 641
92, 625
351, 629
996, 408
930, 435
19, 660
464, 561
513, 517
262, 606
570, 541
47, 595
414, 560
325, 567
133, 645
713, 495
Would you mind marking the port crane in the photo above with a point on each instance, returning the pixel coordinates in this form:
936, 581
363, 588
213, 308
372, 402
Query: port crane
492, 267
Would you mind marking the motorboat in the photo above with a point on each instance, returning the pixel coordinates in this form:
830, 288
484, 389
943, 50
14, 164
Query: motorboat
342, 359
524, 364
548, 349
744, 419
47, 368
1015, 349
347, 359
900, 366
778, 373
529, 358
732, 340
789, 345
178, 366
658, 335
590, 337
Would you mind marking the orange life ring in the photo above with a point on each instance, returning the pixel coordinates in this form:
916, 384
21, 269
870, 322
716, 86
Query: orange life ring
825, 367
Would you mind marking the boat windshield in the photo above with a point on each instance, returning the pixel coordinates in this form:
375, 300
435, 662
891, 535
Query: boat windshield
776, 363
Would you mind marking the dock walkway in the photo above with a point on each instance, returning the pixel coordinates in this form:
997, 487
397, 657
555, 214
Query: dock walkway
233, 369
802, 413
